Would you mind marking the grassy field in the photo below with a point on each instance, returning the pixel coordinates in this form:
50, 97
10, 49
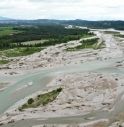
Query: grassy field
20, 51
42, 99
4, 61
4, 31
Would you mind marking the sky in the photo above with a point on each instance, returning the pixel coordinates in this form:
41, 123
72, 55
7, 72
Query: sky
63, 9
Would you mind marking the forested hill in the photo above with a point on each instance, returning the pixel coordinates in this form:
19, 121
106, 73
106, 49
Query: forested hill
97, 24
91, 24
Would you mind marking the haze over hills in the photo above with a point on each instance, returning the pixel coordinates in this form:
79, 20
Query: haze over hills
4, 18
92, 24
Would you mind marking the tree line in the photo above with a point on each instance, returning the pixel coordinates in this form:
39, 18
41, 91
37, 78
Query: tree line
54, 35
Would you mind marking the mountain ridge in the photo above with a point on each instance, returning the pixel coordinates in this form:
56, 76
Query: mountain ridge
116, 24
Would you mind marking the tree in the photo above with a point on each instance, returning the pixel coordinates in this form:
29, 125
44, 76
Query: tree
30, 101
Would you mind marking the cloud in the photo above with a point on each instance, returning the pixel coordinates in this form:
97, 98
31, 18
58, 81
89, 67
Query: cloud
63, 9
55, 1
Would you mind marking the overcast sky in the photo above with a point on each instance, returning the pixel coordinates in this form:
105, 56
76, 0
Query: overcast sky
63, 9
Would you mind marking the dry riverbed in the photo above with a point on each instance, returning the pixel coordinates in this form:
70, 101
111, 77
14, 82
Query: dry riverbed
56, 56
82, 93
53, 56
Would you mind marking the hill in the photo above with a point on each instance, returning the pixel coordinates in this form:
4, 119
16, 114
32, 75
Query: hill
119, 25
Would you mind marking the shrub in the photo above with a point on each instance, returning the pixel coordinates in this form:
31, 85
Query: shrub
59, 90
30, 101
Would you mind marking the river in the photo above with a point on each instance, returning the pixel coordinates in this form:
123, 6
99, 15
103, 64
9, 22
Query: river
41, 78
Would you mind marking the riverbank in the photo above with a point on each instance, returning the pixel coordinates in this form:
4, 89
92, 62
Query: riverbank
56, 56
82, 93
79, 96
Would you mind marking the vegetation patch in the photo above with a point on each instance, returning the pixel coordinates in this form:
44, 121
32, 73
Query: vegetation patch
17, 36
111, 32
22, 40
42, 99
119, 35
89, 43
6, 31
20, 51
64, 39
34, 42
4, 61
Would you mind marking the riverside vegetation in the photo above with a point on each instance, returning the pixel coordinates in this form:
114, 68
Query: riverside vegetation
13, 38
42, 99
55, 34
89, 43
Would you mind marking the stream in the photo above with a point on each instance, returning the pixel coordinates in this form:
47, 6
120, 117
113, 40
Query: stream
39, 79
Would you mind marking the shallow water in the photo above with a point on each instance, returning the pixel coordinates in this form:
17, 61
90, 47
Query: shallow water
42, 77
39, 80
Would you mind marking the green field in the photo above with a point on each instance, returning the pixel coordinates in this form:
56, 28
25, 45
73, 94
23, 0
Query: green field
4, 62
4, 31
20, 51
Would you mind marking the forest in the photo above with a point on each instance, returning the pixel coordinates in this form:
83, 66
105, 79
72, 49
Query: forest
118, 25
15, 36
